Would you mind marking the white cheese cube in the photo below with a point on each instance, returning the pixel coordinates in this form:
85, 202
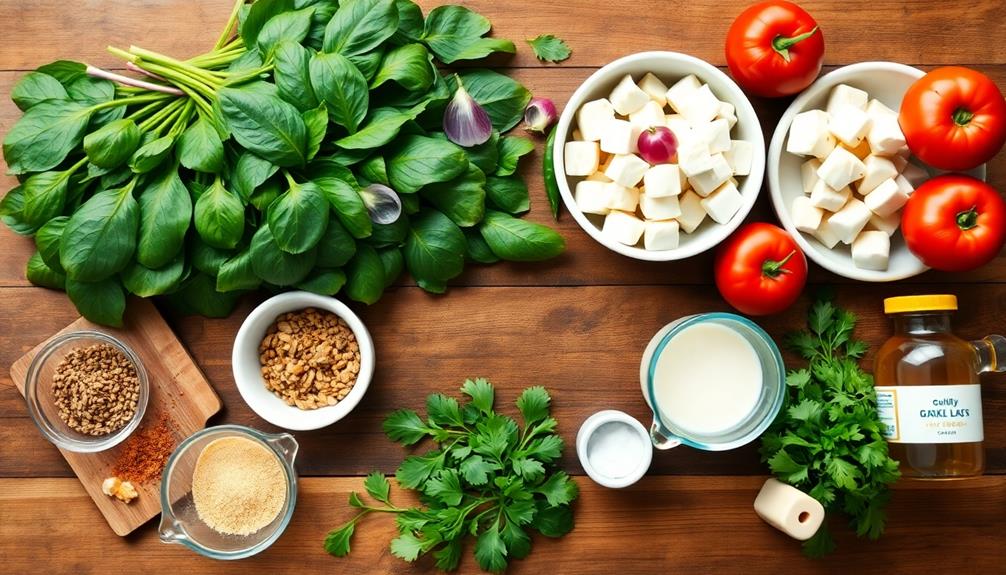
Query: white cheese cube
827, 198
619, 137
876, 109
622, 198
692, 212
581, 158
887, 224
904, 185
826, 234
651, 114
592, 117
916, 175
694, 159
661, 235
700, 106
809, 135
626, 170
862, 151
878, 169
722, 204
871, 250
841, 168
627, 97
886, 199
706, 182
654, 88
849, 221
728, 112
677, 94
662, 180
846, 95
716, 135
664, 208
624, 228
592, 197
806, 216
885, 136
739, 156
598, 177
849, 125
808, 174
681, 129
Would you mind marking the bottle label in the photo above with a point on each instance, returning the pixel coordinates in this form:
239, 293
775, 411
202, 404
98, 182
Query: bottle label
931, 413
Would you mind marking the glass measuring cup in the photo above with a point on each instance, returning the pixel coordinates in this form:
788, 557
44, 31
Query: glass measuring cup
665, 434
181, 524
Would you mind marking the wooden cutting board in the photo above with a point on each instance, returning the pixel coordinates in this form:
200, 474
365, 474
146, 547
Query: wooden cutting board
178, 389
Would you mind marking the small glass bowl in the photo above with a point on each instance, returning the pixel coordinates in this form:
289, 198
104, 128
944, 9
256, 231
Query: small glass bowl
42, 407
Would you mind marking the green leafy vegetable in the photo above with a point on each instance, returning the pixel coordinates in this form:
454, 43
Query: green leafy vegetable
456, 33
520, 240
548, 48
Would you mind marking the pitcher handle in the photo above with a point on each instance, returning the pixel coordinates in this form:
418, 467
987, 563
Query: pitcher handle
286, 445
661, 441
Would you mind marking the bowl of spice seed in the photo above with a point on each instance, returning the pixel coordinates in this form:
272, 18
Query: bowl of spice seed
302, 361
86, 391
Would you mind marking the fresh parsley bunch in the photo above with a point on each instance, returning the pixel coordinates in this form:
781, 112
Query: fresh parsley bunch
488, 477
827, 439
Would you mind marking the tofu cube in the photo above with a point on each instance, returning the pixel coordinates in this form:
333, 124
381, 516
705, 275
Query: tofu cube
808, 174
722, 204
885, 136
886, 199
861, 151
692, 211
662, 180
841, 168
700, 106
654, 88
915, 175
661, 235
827, 198
619, 137
716, 135
849, 221
651, 114
739, 156
623, 227
627, 170
728, 112
871, 250
581, 158
826, 234
592, 197
677, 94
809, 135
904, 185
878, 169
806, 216
665, 208
706, 182
876, 109
849, 125
622, 198
694, 159
592, 118
888, 224
627, 97
598, 177
846, 95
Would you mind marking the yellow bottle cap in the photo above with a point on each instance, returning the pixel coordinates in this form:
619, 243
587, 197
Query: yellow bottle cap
911, 303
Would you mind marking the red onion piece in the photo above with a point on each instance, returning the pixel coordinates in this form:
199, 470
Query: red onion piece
539, 115
466, 123
657, 145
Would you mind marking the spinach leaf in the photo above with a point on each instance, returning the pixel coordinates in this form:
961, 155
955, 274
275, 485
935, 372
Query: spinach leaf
462, 199
35, 88
258, 15
66, 71
477, 249
206, 258
112, 144
408, 65
12, 212
165, 216
339, 84
455, 33
410, 22
298, 218
486, 155
336, 246
419, 160
151, 154
199, 295
390, 234
503, 98
265, 195
250, 172
145, 282
219, 217
91, 91
383, 126
316, 122
520, 240
323, 12
237, 274
265, 125
511, 149
100, 237
47, 240
102, 302
40, 274
435, 247
365, 276
508, 194
43, 137
200, 148
368, 63
288, 26
349, 206
374, 170
274, 265
432, 286
44, 197
394, 264
324, 282
359, 26
292, 75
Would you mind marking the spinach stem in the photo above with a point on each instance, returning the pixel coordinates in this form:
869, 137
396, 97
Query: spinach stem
156, 118
229, 26
168, 120
140, 99
144, 111
180, 79
195, 72
182, 121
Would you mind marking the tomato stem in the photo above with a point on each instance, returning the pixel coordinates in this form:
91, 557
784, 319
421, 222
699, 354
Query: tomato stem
967, 219
782, 44
774, 269
962, 116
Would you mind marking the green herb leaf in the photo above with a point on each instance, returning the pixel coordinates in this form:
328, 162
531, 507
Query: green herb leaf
151, 154
274, 265
290, 26
365, 274
258, 15
336, 247
520, 240
405, 426
165, 216
490, 552
383, 125
324, 282
40, 274
511, 150
348, 205
548, 48
359, 26
250, 172
337, 541
237, 274
265, 125
503, 98
102, 302
408, 65
445, 487
316, 123
435, 247
378, 487
416, 469
44, 197
99, 240
406, 546
200, 148
342, 87
292, 74
462, 199
553, 521
112, 144
533, 405
43, 137
47, 240
481, 392
476, 470
508, 194
219, 217
298, 218
456, 33
145, 282
34, 88
419, 160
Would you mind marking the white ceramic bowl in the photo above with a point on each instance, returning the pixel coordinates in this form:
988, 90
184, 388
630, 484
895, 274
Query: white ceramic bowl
669, 67
246, 366
885, 81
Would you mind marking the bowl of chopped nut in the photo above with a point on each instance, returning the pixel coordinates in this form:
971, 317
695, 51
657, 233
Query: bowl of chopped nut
302, 361
86, 391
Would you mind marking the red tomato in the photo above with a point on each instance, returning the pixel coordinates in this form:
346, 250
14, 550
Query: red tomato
954, 118
760, 270
954, 223
775, 49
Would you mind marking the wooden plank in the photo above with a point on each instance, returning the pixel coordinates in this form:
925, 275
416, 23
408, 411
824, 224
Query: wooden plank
674, 525
583, 343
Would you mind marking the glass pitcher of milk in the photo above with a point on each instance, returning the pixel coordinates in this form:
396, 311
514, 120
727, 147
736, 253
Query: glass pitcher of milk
714, 381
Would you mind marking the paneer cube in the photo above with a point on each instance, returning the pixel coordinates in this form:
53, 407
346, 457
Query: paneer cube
623, 227
808, 174
694, 159
665, 208
661, 235
886, 199
888, 224
740, 156
806, 216
598, 177
662, 180
654, 88
876, 109
885, 136
849, 125
581, 158
716, 135
809, 135
826, 234
700, 106
619, 137
915, 175
592, 118
871, 250
846, 95
677, 94
706, 182
827, 198
692, 212
728, 112
651, 114
841, 168
904, 185
627, 98
878, 169
850, 220
622, 198
627, 170
592, 197
723, 203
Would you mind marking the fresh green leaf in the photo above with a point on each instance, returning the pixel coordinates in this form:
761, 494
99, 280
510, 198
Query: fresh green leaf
365, 274
47, 240
258, 15
359, 26
299, 217
382, 126
100, 238
517, 541
548, 48
445, 487
477, 250
341, 86
462, 199
292, 74
66, 71
417, 468
266, 125
443, 410
237, 274
40, 274
12, 212
337, 541
43, 137
200, 148
533, 405
34, 88
274, 265
553, 521
112, 144
476, 470
394, 264
406, 546
407, 65
151, 154
503, 98
349, 207
508, 194
490, 552
290, 26
456, 33
435, 247
418, 161
377, 486
250, 172
146, 282
165, 215
336, 247
92, 91
520, 240
405, 426
481, 392
316, 122
44, 197
449, 556
374, 170
219, 217
102, 302
511, 150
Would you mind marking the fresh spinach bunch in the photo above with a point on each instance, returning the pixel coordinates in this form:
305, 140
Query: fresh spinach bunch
827, 439
243, 168
488, 477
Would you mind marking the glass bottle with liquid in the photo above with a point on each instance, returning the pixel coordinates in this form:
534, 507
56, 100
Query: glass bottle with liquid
928, 389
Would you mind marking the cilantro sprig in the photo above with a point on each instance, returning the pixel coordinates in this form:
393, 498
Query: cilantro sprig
549, 48
826, 441
487, 477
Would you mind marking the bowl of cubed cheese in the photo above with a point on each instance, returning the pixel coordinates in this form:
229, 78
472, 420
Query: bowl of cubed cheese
840, 172
669, 210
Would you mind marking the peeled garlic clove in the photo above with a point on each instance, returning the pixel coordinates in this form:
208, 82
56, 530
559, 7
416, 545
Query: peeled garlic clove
383, 204
466, 123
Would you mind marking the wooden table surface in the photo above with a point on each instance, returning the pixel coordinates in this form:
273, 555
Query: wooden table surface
576, 325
